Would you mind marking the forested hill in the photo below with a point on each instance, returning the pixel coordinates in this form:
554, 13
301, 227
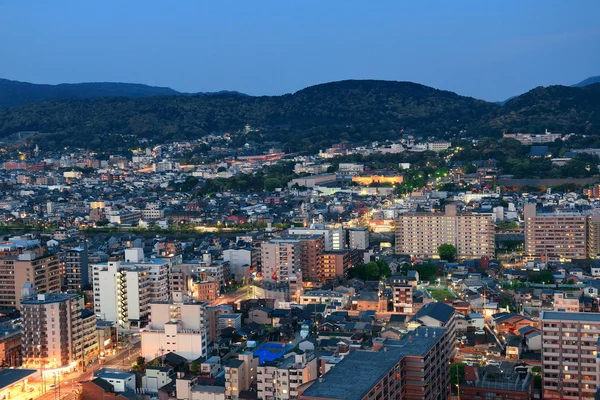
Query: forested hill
14, 93
354, 110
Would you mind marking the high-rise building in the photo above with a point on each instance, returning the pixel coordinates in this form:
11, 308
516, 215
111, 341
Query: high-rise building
569, 354
121, 293
311, 253
24, 260
415, 367
555, 236
55, 332
178, 326
421, 234
280, 259
76, 268
336, 264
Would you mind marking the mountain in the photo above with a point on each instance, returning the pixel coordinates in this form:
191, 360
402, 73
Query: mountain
557, 108
14, 93
353, 110
588, 81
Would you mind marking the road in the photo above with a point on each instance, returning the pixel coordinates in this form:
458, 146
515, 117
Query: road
243, 293
67, 386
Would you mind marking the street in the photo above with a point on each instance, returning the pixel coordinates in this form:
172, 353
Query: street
69, 384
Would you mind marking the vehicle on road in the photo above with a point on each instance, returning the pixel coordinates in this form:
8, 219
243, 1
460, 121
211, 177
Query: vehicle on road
493, 363
480, 332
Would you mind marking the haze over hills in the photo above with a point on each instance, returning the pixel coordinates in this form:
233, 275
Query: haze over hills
353, 110
589, 81
15, 93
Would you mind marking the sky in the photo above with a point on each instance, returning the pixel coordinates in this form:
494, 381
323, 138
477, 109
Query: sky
482, 48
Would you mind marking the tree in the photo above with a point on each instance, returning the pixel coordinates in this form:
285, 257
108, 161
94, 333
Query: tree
271, 184
447, 252
194, 368
372, 272
457, 373
542, 277
427, 271
384, 268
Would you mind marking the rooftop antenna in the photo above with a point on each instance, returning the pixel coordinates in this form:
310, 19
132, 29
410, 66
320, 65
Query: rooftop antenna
426, 332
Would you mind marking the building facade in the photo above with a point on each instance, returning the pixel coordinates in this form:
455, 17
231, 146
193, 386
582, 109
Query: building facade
420, 234
569, 355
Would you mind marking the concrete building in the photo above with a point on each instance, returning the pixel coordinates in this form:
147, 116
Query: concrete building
311, 256
280, 259
230, 321
240, 374
566, 301
205, 288
336, 264
420, 234
415, 367
506, 383
121, 293
241, 261
358, 238
178, 326
54, 333
123, 290
76, 268
403, 298
281, 379
10, 345
569, 362
555, 236
21, 261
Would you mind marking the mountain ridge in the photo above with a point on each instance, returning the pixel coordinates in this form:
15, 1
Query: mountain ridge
17, 93
311, 118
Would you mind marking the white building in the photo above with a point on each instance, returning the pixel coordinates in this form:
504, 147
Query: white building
123, 291
240, 260
179, 326
438, 146
121, 381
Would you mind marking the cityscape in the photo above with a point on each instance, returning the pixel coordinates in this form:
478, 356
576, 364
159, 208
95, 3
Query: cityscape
357, 239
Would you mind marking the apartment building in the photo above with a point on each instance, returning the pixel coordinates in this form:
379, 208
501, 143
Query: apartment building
206, 288
566, 301
403, 298
24, 260
569, 354
555, 236
76, 268
358, 238
178, 326
311, 256
281, 379
420, 234
336, 264
438, 146
121, 293
415, 367
280, 259
10, 345
56, 334
240, 373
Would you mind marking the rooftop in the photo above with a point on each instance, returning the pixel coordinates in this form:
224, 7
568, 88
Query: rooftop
373, 366
570, 316
10, 376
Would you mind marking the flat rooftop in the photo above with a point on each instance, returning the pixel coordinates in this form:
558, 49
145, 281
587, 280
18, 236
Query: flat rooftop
570, 316
9, 377
366, 368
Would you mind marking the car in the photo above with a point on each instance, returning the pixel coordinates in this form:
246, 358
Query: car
469, 363
493, 363
480, 332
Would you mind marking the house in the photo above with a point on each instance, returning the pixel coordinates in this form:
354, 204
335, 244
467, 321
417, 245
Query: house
514, 347
99, 389
157, 377
390, 333
533, 340
260, 315
475, 321
434, 315
510, 322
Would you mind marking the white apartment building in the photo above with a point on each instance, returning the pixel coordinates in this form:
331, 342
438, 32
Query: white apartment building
566, 301
569, 354
240, 261
153, 214
281, 379
179, 326
280, 259
121, 293
315, 230
351, 168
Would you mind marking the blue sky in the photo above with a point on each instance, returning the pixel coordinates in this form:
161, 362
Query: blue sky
486, 49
